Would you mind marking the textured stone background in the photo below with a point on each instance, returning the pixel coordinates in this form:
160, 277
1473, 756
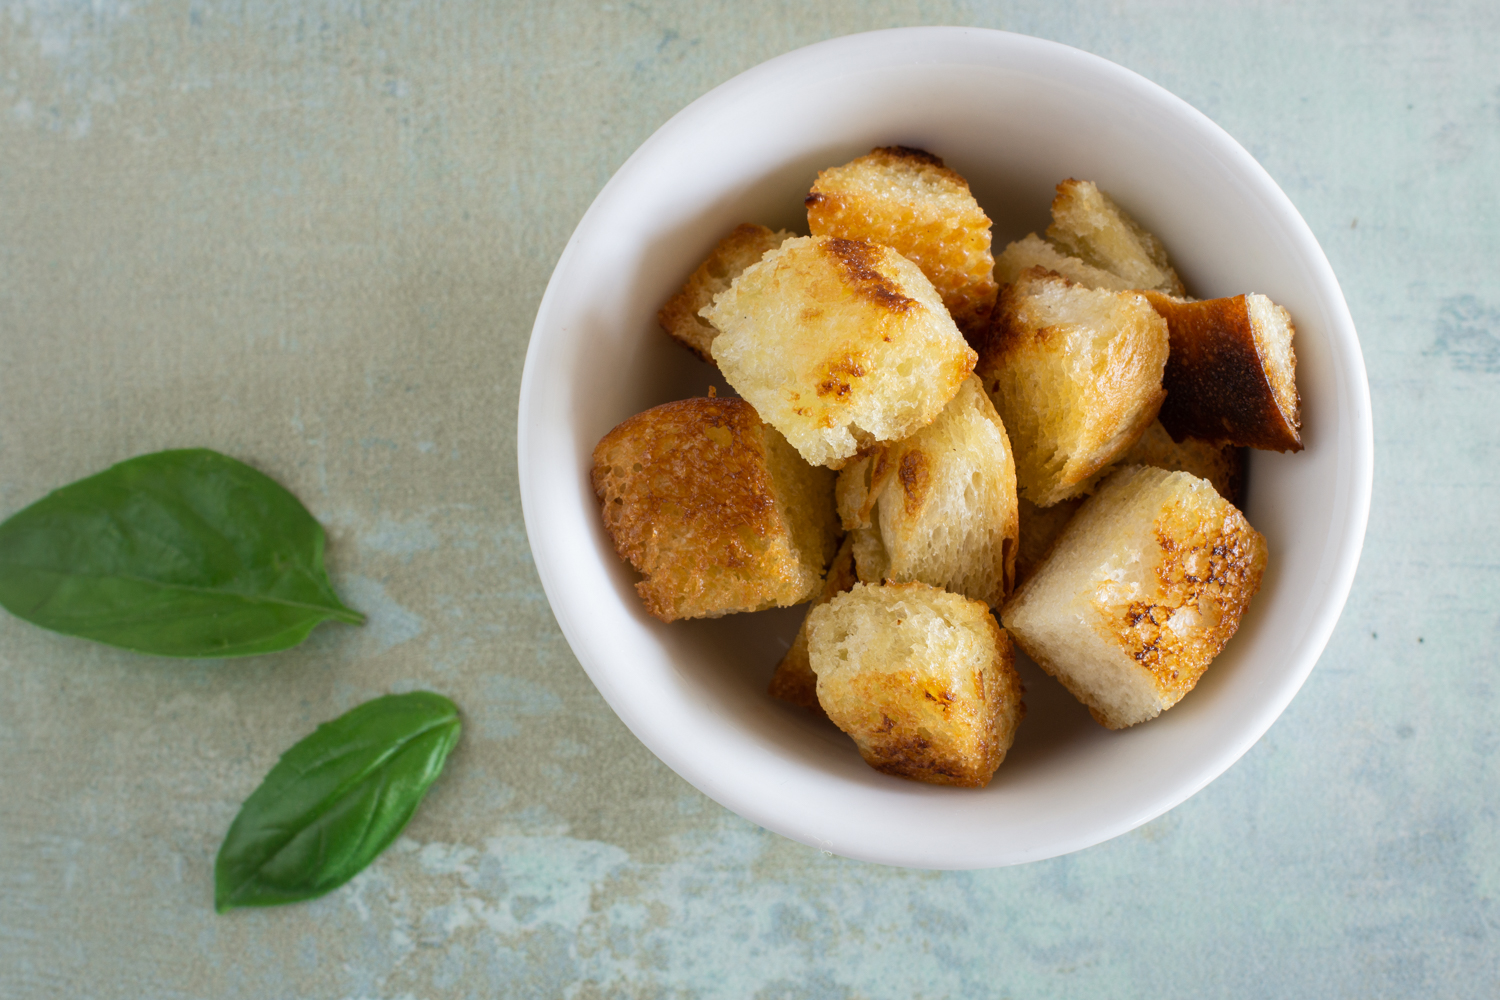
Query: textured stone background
314, 234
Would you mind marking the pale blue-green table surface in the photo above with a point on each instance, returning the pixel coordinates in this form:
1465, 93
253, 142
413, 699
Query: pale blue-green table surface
314, 235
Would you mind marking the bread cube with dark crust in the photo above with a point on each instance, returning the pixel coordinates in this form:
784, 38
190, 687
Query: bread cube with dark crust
838, 344
714, 509
907, 199
940, 506
1232, 376
794, 680
923, 680
1088, 224
1141, 591
1075, 373
744, 246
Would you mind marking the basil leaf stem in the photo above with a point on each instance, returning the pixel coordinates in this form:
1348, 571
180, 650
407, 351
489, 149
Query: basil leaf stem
177, 553
335, 801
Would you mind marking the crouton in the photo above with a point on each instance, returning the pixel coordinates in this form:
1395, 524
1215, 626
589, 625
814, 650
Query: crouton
1232, 376
735, 252
1033, 251
1142, 590
714, 509
839, 345
1075, 373
923, 680
907, 199
1040, 527
1221, 465
794, 680
1089, 225
940, 506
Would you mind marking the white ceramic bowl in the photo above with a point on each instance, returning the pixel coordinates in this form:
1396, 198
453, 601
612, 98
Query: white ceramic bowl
1014, 115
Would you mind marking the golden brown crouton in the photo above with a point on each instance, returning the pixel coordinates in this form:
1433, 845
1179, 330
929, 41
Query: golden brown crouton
1040, 527
1221, 465
1076, 375
1033, 251
1232, 376
735, 252
1142, 590
839, 345
714, 509
923, 680
794, 680
907, 199
1089, 225
940, 506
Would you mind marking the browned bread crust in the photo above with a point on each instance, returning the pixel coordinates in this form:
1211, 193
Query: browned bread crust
907, 199
714, 509
1231, 375
924, 681
1141, 591
839, 344
794, 680
1075, 373
940, 506
679, 317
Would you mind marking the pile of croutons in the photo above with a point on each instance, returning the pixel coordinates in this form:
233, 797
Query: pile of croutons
925, 434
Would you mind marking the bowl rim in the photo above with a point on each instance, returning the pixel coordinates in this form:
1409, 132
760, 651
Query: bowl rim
1355, 458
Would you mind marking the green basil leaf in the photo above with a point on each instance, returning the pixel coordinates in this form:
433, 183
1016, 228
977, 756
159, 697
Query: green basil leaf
178, 553
335, 801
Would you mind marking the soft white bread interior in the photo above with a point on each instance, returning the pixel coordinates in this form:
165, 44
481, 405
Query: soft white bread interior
744, 246
794, 680
838, 344
907, 199
1232, 376
1076, 374
940, 506
714, 509
1146, 584
923, 680
1088, 224
1033, 251
1222, 465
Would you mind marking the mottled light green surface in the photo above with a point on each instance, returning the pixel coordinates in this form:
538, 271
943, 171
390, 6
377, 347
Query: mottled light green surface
314, 235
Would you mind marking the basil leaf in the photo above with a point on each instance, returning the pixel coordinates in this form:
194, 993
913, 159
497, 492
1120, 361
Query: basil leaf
178, 553
335, 801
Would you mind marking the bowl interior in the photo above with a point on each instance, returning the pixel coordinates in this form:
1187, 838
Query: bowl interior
1014, 115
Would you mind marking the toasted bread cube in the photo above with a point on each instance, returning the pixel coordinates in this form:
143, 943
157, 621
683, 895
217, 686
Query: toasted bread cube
794, 680
1232, 376
1040, 527
939, 507
1076, 375
839, 345
923, 680
1145, 586
1222, 465
1088, 224
907, 199
744, 246
714, 509
1033, 251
